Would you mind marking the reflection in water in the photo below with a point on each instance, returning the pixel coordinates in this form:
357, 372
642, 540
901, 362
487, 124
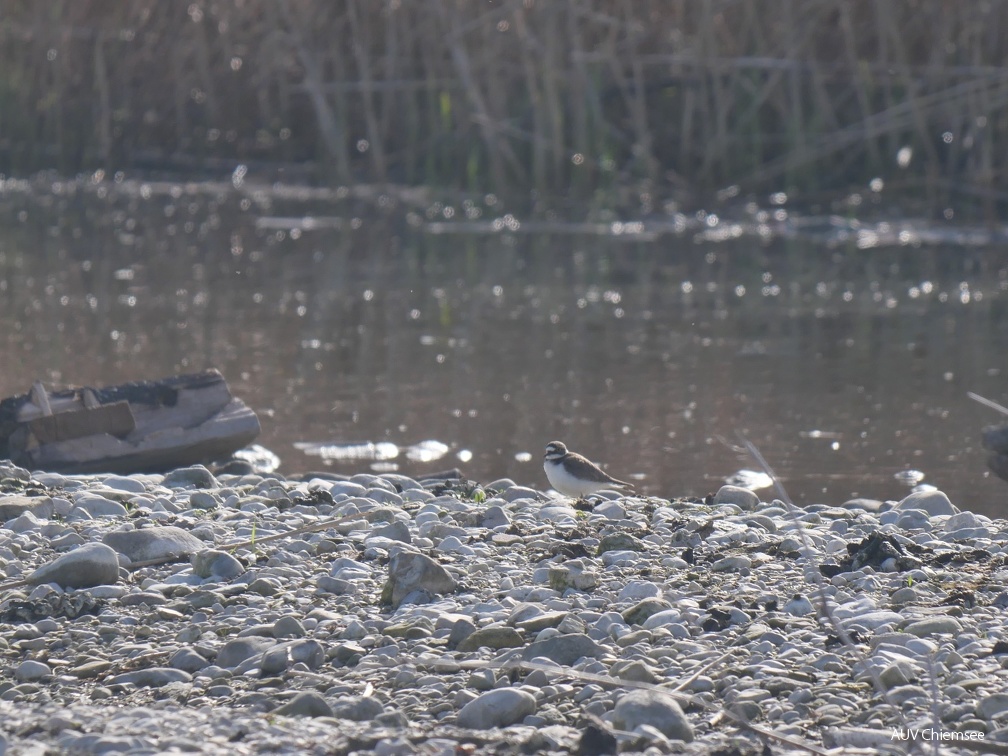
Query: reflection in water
648, 353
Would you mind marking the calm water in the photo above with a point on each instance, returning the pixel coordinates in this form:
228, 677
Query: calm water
372, 329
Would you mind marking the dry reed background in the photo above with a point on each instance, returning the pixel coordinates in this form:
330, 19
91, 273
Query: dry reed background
597, 103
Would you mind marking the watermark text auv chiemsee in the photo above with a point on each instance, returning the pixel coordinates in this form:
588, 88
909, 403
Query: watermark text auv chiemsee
934, 734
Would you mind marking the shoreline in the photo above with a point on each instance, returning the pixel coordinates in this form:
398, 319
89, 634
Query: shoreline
382, 614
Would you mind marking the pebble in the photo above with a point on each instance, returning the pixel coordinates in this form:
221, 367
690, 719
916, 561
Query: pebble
287, 643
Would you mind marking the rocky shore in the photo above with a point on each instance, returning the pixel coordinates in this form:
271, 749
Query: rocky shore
243, 614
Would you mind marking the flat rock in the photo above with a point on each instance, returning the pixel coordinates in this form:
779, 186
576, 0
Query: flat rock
934, 626
86, 566
14, 506
158, 542
496, 708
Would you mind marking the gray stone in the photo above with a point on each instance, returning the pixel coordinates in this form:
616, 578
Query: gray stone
642, 610
869, 620
743, 498
905, 595
86, 566
991, 706
413, 573
961, 520
308, 652
619, 542
868, 505
31, 671
563, 649
196, 476
306, 704
238, 650
188, 660
358, 709
461, 630
288, 626
651, 707
932, 502
571, 575
395, 531
124, 483
216, 563
24, 523
265, 586
496, 708
913, 519
898, 673
158, 542
275, 660
495, 517
634, 671
520, 492
203, 500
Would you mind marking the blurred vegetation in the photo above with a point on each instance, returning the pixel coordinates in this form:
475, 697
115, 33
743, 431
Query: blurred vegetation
595, 103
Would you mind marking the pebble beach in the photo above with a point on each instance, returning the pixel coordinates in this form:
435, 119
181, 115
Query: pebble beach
228, 612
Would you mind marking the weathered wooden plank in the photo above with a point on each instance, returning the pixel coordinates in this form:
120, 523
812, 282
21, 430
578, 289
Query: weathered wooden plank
115, 419
234, 427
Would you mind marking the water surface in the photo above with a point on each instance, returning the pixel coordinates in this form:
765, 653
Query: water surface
375, 324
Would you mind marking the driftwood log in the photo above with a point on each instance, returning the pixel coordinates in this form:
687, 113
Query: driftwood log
147, 426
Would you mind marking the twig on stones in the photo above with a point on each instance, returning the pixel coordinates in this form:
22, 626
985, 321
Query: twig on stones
988, 402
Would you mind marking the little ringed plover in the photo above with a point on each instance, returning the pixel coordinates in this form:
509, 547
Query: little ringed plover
574, 475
